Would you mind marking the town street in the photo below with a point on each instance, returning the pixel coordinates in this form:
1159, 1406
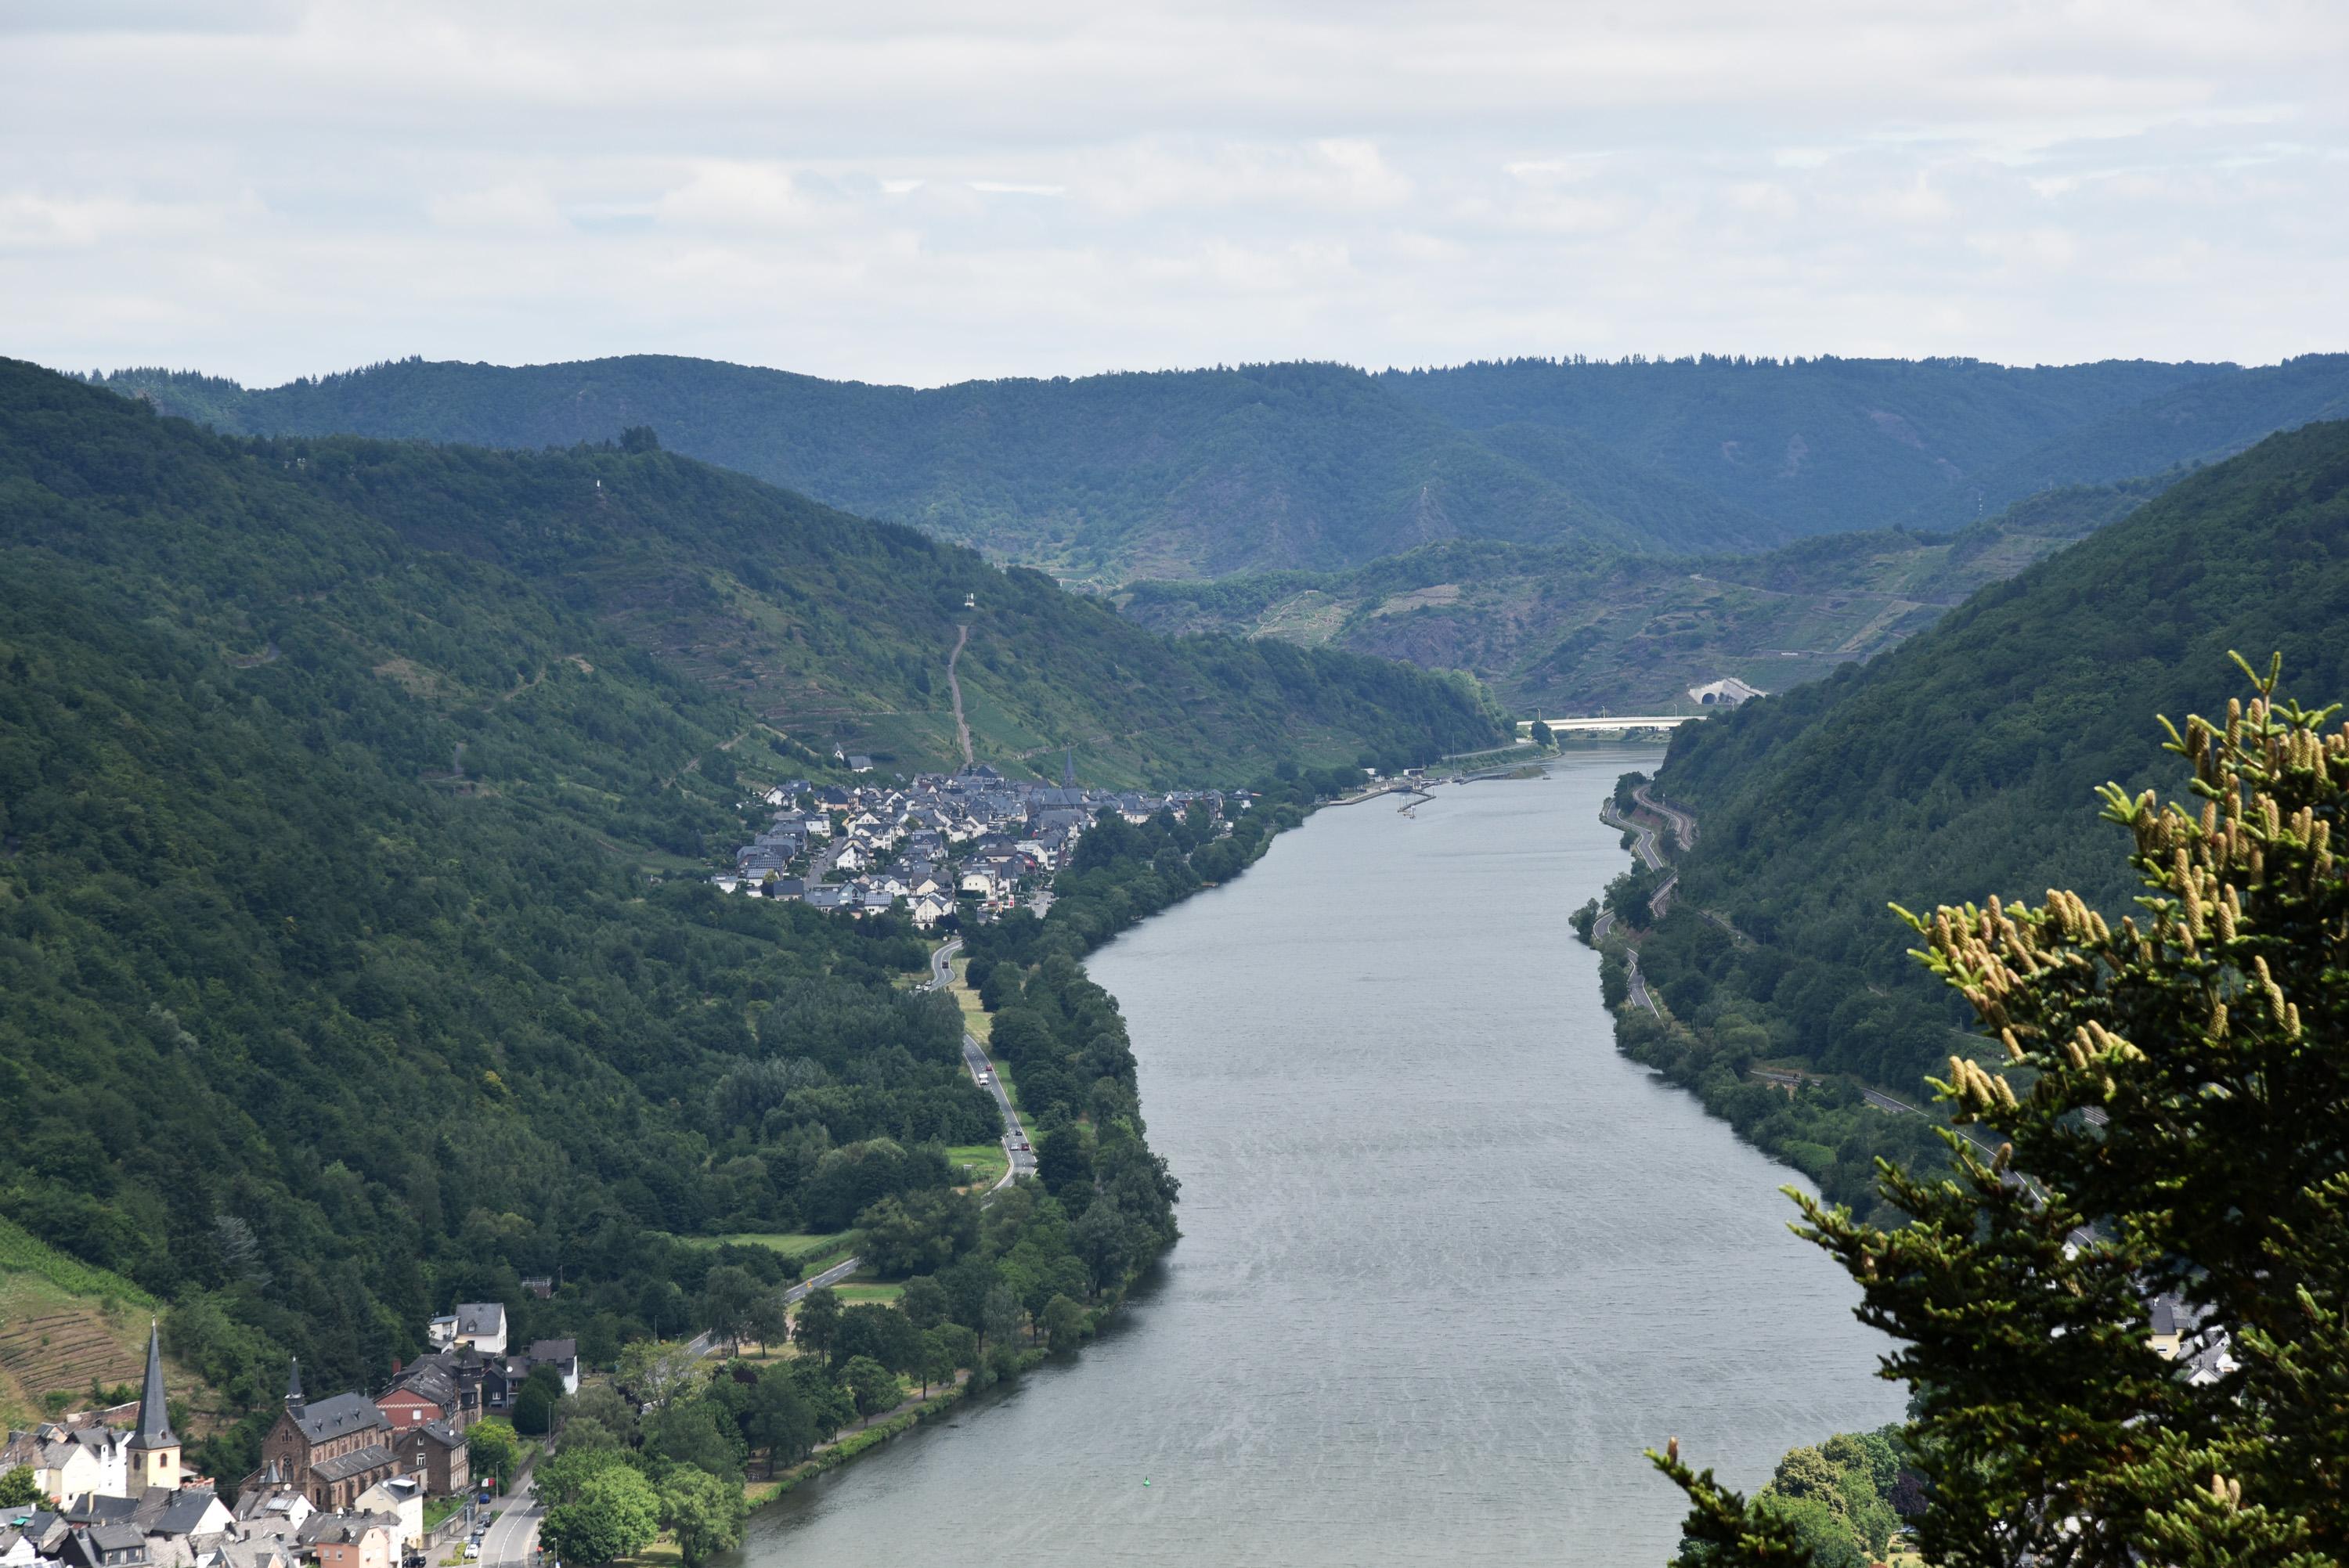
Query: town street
512, 1536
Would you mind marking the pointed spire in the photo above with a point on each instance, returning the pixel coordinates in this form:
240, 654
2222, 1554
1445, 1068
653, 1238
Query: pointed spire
154, 1419
294, 1385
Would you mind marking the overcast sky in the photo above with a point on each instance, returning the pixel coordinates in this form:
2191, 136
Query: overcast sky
929, 193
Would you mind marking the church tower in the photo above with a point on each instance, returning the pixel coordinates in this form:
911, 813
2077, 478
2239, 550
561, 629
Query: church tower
154, 1448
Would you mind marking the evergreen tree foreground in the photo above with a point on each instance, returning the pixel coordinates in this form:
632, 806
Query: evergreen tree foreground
2206, 1035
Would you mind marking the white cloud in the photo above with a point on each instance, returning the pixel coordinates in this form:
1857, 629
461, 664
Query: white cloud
727, 195
862, 191
510, 206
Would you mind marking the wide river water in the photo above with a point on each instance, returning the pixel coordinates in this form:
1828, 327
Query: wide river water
1449, 1263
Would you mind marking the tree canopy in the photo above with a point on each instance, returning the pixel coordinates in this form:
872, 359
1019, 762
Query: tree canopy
2168, 1098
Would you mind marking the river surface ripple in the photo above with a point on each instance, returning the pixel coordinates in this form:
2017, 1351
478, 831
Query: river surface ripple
1449, 1263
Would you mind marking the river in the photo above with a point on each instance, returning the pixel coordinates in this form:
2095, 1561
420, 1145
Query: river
1449, 1262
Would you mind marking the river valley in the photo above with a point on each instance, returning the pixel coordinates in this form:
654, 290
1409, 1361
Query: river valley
1449, 1263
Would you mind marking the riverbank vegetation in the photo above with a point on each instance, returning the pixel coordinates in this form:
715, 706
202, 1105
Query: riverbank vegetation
2167, 1109
354, 803
1965, 760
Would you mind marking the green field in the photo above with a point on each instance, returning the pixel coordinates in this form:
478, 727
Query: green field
865, 1293
988, 1161
809, 1247
974, 1017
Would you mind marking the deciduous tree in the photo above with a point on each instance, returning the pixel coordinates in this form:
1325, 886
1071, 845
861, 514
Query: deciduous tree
614, 1515
819, 1320
490, 1447
703, 1512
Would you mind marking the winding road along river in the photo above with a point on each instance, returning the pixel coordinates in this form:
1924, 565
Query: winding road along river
1449, 1262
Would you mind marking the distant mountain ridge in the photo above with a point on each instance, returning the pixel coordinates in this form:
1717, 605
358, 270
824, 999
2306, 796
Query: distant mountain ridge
1581, 533
2204, 421
1817, 445
1100, 480
1207, 473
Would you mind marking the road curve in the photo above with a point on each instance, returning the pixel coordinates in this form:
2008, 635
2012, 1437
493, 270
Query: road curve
1683, 825
1640, 983
1645, 847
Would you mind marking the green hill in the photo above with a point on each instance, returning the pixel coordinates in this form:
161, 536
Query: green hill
2206, 420
1101, 479
1580, 535
1577, 629
1302, 467
1962, 764
342, 969
836, 630
1816, 446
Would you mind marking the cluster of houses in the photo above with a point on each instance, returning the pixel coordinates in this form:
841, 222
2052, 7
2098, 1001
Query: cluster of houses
929, 847
2181, 1334
343, 1480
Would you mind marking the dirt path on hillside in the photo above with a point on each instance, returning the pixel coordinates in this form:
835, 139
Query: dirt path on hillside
962, 730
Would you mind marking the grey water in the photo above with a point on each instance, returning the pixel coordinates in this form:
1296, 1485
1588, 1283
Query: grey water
1449, 1262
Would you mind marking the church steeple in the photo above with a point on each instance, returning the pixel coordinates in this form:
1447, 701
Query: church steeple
154, 1447
294, 1400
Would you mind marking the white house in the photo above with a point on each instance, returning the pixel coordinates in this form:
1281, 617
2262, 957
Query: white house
480, 1323
402, 1497
70, 1461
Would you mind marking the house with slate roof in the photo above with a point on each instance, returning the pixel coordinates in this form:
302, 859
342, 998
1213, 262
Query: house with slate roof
331, 1450
480, 1323
435, 1454
110, 1544
70, 1461
353, 1540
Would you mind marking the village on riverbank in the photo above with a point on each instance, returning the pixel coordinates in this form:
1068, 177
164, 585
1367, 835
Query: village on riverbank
452, 1459
940, 845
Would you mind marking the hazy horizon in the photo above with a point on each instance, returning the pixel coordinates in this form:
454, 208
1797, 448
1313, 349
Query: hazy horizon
315, 375
919, 195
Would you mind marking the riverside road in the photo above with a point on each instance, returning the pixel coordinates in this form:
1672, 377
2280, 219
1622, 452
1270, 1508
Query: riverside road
512, 1536
1441, 1247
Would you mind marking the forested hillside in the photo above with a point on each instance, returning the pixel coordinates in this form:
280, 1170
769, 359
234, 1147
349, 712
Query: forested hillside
1817, 445
1577, 629
1962, 765
1583, 535
836, 630
1103, 479
339, 977
2206, 420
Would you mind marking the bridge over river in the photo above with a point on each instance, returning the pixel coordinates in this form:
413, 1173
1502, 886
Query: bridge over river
1609, 724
